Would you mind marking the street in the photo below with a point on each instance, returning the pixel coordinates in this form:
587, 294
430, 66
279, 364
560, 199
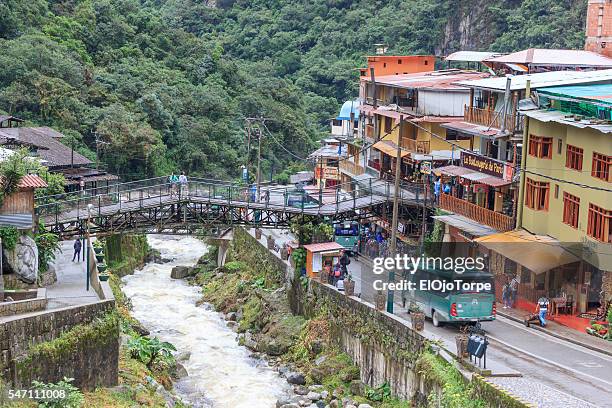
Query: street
537, 367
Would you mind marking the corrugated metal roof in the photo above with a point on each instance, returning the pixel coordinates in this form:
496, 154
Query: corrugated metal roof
542, 79
471, 128
465, 224
472, 56
599, 92
443, 80
541, 56
552, 115
472, 175
349, 107
19, 221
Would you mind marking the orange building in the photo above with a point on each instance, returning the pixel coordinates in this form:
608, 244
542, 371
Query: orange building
398, 64
599, 27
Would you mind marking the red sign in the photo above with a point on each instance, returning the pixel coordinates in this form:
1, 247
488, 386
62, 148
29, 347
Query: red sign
482, 164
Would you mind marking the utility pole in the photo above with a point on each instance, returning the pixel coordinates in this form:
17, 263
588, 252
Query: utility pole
321, 179
396, 193
258, 177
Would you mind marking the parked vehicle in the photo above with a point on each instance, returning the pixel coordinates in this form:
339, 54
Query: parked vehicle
347, 234
457, 305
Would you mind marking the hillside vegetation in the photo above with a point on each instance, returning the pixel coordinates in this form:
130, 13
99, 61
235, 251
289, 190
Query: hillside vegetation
168, 83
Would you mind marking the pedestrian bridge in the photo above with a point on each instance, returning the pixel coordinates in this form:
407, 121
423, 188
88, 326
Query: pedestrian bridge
204, 205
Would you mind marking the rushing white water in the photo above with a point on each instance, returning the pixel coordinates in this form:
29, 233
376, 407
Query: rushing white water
221, 373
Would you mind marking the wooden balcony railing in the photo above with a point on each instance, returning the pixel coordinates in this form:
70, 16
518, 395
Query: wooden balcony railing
351, 167
490, 118
416, 146
477, 213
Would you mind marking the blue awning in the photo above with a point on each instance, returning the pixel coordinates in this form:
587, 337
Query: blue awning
349, 107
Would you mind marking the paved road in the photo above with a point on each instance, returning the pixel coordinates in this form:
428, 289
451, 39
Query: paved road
548, 363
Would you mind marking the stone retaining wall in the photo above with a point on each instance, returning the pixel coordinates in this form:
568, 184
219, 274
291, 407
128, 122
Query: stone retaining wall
91, 365
27, 304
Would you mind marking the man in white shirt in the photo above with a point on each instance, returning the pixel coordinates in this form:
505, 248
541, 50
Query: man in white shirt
183, 183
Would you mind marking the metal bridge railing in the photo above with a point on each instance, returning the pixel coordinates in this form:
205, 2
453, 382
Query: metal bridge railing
158, 191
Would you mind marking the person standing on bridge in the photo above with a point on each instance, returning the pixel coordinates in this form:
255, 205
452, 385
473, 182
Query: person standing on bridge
77, 250
173, 179
182, 183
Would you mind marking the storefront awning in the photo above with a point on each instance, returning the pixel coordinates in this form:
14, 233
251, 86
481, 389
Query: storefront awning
389, 148
537, 253
465, 224
472, 175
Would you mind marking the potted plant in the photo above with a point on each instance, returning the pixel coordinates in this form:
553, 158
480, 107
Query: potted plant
417, 317
100, 257
380, 300
349, 285
101, 268
461, 340
102, 277
98, 247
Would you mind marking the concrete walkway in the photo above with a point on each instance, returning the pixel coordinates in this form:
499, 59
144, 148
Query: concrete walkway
70, 287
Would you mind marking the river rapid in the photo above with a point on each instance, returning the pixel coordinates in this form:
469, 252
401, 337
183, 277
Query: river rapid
221, 373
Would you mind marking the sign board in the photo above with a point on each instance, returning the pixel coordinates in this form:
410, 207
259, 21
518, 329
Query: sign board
426, 167
482, 164
330, 173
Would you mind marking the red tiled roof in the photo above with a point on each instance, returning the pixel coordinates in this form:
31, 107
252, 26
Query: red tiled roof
324, 246
31, 181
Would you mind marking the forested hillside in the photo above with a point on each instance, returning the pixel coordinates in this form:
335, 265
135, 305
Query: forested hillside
168, 83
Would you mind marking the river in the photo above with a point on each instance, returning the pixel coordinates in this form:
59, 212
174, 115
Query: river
221, 373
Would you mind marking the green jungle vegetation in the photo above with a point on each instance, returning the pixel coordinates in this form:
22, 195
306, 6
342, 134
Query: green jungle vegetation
167, 83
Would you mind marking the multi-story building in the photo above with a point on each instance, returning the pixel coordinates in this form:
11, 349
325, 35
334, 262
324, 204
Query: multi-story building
484, 187
424, 101
344, 126
534, 60
599, 27
568, 190
382, 65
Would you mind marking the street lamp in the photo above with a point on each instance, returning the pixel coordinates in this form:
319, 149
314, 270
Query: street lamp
89, 208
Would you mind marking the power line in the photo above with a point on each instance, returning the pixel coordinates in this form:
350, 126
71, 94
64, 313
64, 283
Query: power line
461, 148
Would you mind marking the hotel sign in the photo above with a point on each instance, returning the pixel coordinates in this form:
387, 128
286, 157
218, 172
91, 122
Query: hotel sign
482, 164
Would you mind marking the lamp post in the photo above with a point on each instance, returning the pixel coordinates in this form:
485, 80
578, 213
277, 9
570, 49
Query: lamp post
89, 208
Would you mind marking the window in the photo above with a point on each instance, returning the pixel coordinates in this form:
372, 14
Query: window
540, 147
559, 146
556, 191
454, 135
426, 62
537, 195
336, 122
600, 223
388, 124
601, 166
573, 157
399, 61
571, 209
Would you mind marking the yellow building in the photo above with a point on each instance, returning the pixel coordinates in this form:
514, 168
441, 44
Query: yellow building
567, 188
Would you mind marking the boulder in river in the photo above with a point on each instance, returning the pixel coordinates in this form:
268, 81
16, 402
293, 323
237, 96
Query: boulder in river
296, 378
140, 329
179, 371
180, 272
300, 390
184, 356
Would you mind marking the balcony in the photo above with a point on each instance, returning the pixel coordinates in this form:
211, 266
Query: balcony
369, 131
474, 212
415, 146
489, 118
351, 168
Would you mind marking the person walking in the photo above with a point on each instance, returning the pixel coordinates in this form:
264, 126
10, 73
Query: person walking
437, 190
344, 262
182, 183
173, 180
506, 294
540, 312
77, 250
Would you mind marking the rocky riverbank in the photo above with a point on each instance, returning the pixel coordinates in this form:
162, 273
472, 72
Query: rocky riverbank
254, 301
